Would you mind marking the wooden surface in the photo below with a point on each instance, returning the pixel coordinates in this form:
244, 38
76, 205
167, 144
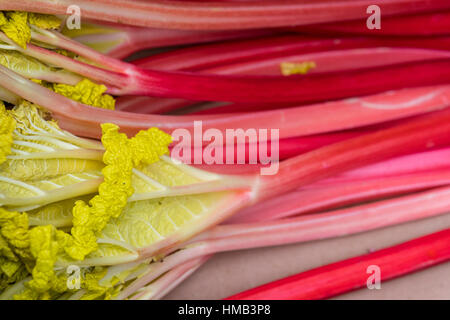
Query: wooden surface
232, 272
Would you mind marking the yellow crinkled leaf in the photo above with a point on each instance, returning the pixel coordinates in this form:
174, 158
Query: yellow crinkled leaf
29, 116
24, 65
27, 295
120, 155
16, 27
14, 246
45, 244
3, 19
87, 29
11, 272
7, 126
31, 120
41, 246
5, 251
9, 268
149, 145
65, 53
14, 229
91, 284
58, 213
44, 21
291, 68
87, 92
19, 62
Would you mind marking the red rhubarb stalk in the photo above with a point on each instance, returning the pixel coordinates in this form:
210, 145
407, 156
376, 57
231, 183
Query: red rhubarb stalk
288, 148
331, 61
136, 81
149, 105
86, 121
363, 150
351, 274
428, 24
206, 56
282, 89
128, 79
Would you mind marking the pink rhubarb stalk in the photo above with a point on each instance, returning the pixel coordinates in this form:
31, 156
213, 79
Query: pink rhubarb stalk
84, 120
317, 197
120, 41
223, 15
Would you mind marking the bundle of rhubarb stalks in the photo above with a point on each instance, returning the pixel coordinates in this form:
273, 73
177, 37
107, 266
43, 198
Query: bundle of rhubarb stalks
93, 205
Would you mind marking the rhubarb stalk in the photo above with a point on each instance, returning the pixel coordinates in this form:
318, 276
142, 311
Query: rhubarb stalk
307, 228
340, 277
224, 15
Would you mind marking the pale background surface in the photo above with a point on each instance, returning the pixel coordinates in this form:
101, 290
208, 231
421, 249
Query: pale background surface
229, 273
